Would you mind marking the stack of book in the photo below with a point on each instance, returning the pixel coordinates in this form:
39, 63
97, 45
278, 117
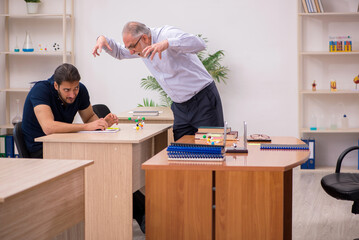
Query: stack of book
312, 6
194, 152
215, 133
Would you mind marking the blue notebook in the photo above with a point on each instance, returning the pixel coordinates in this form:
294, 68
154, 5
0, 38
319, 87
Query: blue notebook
285, 146
194, 152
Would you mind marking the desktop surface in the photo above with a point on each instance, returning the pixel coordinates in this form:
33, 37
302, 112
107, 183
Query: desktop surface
255, 159
127, 134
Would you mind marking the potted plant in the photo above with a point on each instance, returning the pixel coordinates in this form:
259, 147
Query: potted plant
32, 6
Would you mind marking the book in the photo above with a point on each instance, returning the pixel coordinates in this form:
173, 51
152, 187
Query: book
321, 6
2, 146
204, 129
310, 7
107, 130
9, 146
194, 152
284, 146
317, 5
145, 113
313, 6
310, 163
232, 135
305, 8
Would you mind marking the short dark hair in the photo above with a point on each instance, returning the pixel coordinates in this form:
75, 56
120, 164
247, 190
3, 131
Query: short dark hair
66, 72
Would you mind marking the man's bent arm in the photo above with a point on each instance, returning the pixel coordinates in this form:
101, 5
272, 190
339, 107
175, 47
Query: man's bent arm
46, 119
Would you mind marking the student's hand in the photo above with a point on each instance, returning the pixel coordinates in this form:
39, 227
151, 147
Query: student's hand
111, 119
155, 48
101, 42
98, 124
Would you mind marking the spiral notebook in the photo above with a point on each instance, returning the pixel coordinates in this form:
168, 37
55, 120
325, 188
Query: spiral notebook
285, 146
194, 152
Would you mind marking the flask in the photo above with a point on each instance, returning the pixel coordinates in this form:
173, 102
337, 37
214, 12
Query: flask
28, 47
345, 121
313, 123
16, 49
17, 118
333, 122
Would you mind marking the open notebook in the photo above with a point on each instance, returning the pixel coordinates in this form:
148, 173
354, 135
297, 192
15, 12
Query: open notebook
107, 130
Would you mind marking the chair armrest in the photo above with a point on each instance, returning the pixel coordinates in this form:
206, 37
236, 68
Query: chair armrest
341, 157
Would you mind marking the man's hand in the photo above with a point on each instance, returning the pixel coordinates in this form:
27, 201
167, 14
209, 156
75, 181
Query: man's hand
101, 42
98, 124
111, 119
156, 48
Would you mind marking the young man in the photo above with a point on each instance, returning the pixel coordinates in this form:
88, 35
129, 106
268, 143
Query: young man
51, 105
170, 55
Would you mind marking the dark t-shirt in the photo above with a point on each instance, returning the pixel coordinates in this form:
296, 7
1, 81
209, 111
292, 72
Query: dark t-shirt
45, 93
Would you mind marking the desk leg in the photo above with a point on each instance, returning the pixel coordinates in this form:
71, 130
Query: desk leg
253, 205
178, 204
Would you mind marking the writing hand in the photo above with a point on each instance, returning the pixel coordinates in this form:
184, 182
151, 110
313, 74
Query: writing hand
101, 43
156, 48
95, 125
111, 119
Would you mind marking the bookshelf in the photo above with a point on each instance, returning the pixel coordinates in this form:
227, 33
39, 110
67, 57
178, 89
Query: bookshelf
316, 62
53, 23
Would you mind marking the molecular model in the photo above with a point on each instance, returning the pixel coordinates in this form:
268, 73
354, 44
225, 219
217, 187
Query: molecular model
140, 122
56, 46
211, 140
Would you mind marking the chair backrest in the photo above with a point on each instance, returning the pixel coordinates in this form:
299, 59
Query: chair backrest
344, 186
20, 141
101, 110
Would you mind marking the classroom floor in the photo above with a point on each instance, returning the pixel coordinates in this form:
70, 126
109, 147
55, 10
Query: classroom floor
316, 215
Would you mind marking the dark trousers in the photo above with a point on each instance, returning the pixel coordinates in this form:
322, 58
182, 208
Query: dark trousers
37, 154
138, 197
203, 109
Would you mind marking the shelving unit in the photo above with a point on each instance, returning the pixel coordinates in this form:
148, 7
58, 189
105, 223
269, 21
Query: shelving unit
316, 62
63, 14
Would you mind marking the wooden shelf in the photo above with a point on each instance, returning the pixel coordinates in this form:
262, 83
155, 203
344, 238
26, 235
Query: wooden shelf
346, 14
24, 90
339, 130
328, 92
38, 53
13, 15
326, 53
35, 15
7, 126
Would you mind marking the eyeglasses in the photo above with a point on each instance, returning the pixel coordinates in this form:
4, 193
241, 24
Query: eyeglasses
134, 46
259, 137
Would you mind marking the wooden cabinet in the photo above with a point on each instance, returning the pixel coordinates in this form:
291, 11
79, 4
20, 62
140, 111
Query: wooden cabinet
52, 28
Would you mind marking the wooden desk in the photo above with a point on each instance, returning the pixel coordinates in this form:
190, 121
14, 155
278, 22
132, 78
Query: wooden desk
252, 196
40, 198
115, 175
165, 116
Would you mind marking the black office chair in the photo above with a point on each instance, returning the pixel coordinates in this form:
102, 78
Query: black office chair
20, 141
101, 110
343, 186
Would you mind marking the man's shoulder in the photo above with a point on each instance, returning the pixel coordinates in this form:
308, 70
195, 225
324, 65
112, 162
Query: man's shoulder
41, 84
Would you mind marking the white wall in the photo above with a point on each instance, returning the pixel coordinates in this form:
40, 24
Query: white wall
260, 43
258, 37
